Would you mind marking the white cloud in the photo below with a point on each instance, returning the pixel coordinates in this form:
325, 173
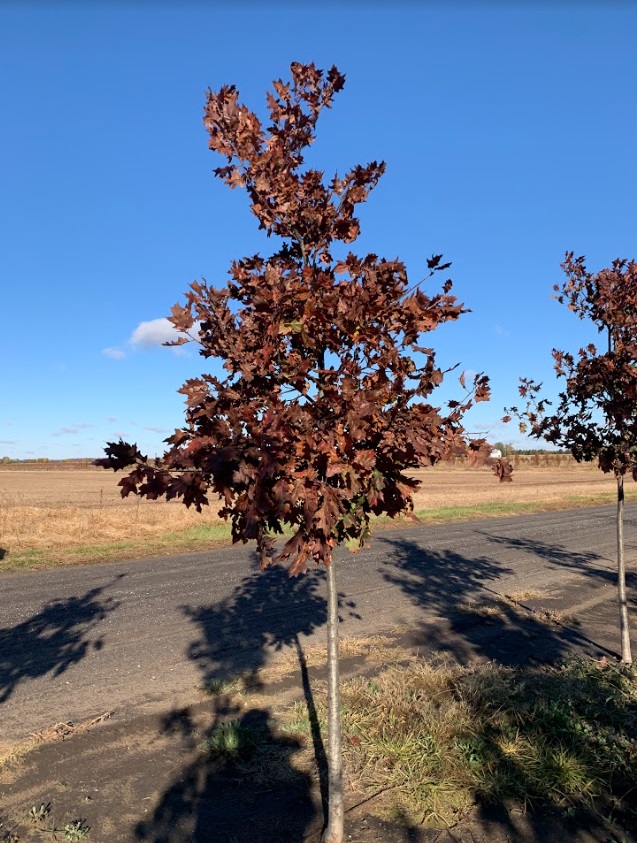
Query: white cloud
111, 419
153, 333
114, 353
154, 429
8, 442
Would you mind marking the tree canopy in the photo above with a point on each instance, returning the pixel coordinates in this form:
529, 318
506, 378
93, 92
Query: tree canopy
324, 404
596, 413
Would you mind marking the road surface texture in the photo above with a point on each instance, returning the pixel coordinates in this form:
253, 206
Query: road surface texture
126, 637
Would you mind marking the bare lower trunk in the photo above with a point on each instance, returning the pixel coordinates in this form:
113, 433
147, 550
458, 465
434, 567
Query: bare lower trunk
334, 830
621, 575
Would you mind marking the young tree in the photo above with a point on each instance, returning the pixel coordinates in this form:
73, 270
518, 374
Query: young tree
596, 416
324, 404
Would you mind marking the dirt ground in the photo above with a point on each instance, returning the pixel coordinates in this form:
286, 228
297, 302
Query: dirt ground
442, 486
149, 778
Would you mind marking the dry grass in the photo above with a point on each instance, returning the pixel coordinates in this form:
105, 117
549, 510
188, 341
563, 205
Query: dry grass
75, 515
445, 486
366, 650
427, 739
50, 515
370, 649
49, 527
58, 508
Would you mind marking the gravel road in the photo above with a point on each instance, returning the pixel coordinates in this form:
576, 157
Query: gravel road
78, 642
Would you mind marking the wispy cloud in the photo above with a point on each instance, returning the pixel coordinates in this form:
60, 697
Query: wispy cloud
114, 353
496, 427
8, 442
484, 427
500, 331
469, 375
155, 429
72, 429
111, 419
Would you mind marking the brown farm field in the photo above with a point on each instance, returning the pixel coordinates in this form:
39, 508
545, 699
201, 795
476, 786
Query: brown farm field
51, 514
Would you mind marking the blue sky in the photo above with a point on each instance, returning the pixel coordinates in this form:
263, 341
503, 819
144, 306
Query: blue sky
509, 135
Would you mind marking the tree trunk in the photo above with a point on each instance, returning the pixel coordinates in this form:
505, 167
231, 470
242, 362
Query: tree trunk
621, 575
334, 829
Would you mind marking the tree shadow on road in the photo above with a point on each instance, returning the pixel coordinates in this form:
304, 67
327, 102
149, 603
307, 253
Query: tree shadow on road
267, 800
49, 642
586, 562
473, 618
266, 612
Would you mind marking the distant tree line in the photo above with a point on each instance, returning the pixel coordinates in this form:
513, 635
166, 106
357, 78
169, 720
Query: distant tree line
508, 450
31, 460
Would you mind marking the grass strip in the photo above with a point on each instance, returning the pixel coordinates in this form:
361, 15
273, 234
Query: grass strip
210, 536
196, 538
496, 510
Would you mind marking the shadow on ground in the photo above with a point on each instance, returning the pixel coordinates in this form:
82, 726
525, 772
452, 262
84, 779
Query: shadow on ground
586, 563
213, 801
477, 621
224, 798
58, 636
220, 796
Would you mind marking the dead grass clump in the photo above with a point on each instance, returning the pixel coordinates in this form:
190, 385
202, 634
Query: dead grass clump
372, 649
488, 609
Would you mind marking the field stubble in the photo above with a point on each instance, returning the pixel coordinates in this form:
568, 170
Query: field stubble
49, 512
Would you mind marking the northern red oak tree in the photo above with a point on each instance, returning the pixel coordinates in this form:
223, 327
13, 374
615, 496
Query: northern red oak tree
324, 404
596, 415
